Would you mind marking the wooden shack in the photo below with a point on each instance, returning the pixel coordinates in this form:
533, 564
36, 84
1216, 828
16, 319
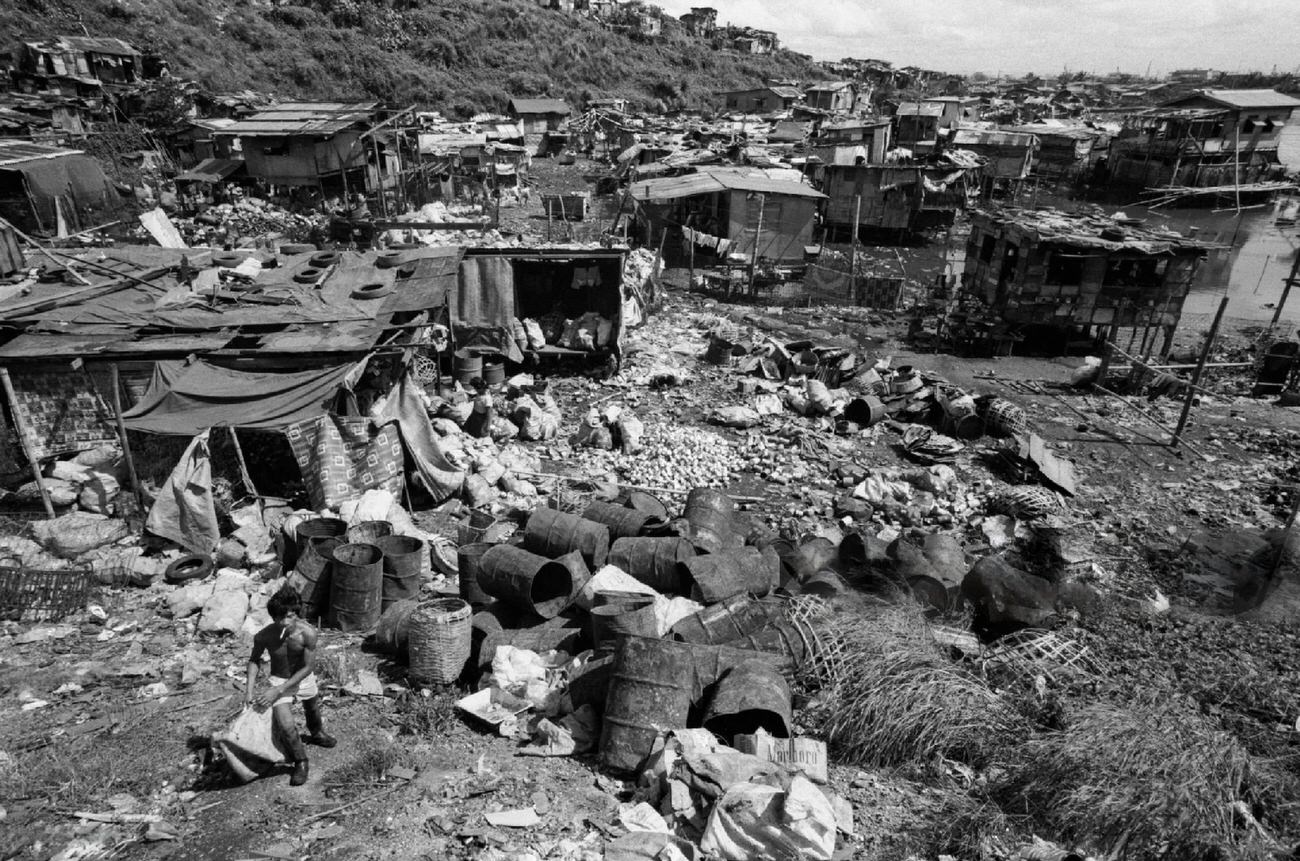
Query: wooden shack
1078, 271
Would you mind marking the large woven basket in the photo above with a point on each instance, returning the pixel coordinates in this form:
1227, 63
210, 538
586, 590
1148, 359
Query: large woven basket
438, 641
42, 594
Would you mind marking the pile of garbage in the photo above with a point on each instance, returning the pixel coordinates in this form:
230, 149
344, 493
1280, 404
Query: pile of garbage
666, 457
90, 481
246, 220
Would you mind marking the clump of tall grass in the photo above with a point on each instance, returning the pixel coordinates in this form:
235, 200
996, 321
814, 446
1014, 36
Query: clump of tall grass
1146, 781
889, 695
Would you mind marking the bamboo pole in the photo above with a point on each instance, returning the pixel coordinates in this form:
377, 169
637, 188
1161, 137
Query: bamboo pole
1155, 421
116, 385
25, 441
758, 234
43, 250
853, 247
1200, 367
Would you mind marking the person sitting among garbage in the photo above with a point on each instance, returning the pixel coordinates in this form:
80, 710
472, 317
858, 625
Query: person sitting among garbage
291, 643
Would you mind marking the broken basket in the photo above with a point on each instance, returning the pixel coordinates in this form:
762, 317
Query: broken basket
42, 594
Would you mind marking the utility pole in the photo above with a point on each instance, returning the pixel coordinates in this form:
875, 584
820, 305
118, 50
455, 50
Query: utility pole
1200, 368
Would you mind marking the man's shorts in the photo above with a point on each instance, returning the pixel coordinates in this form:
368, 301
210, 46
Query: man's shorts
306, 690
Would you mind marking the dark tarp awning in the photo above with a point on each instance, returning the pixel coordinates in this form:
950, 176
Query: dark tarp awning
211, 170
186, 399
77, 178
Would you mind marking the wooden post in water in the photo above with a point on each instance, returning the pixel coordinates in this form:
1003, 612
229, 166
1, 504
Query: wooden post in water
1196, 374
25, 441
853, 249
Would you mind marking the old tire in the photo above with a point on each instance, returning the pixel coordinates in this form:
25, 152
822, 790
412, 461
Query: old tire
228, 261
325, 258
309, 275
192, 567
376, 290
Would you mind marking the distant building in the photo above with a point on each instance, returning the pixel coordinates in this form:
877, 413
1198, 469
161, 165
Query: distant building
538, 116
1008, 155
751, 41
1210, 138
832, 96
955, 110
861, 140
76, 65
761, 100
1193, 76
701, 22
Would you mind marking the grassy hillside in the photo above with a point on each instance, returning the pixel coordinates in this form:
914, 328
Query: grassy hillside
459, 56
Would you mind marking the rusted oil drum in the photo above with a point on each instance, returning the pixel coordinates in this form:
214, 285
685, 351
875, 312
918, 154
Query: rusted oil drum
525, 580
717, 576
369, 531
731, 619
806, 558
650, 690
404, 557
708, 514
749, 697
590, 684
622, 522
311, 577
553, 533
653, 561
469, 561
541, 639
789, 641
356, 584
319, 527
865, 411
656, 512
394, 628
630, 618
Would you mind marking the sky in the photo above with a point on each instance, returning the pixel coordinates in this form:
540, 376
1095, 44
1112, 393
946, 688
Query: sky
1041, 36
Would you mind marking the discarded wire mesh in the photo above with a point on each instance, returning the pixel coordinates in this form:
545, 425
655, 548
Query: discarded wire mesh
1032, 653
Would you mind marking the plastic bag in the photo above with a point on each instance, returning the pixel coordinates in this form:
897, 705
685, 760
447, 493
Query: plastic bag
735, 417
630, 431
754, 820
249, 744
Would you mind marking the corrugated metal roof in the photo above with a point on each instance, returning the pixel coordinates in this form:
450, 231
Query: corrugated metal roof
17, 152
982, 137
712, 181
829, 86
540, 106
303, 118
1247, 98
89, 44
211, 170
912, 109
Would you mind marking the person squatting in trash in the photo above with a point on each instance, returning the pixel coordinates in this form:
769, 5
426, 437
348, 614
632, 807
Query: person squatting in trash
291, 644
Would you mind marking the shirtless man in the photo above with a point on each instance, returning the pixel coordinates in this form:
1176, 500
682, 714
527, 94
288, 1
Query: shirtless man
291, 643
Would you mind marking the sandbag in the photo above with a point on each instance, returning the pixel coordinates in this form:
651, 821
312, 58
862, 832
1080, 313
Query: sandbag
225, 609
754, 820
77, 533
250, 745
98, 493
62, 493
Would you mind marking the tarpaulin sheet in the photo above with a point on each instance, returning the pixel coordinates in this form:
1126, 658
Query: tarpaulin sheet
440, 477
486, 292
77, 176
204, 395
341, 457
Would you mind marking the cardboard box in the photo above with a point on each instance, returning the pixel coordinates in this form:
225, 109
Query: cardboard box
797, 754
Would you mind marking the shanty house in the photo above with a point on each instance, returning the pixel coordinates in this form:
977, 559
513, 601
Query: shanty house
724, 212
861, 140
955, 109
904, 198
916, 126
1007, 155
1213, 138
1057, 270
46, 189
1062, 150
539, 116
329, 145
74, 65
318, 355
832, 96
761, 100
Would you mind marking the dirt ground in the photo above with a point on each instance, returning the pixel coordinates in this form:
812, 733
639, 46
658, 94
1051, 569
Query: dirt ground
110, 715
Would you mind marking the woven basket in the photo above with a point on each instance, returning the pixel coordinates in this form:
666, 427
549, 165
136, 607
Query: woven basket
438, 641
1005, 418
40, 594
